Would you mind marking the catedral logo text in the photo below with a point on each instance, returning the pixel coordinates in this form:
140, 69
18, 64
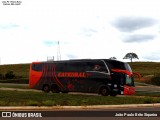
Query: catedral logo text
72, 74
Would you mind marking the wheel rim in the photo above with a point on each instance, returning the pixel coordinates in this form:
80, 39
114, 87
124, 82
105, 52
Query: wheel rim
46, 88
104, 92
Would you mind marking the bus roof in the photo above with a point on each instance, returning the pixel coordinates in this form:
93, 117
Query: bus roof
76, 60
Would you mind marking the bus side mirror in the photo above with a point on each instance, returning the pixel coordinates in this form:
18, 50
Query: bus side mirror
137, 74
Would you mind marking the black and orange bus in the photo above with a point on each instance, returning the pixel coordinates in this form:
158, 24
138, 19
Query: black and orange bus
102, 76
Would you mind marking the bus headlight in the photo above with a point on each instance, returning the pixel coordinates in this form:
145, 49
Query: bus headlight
115, 86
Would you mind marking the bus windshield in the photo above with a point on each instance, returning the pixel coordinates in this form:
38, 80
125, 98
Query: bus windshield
118, 65
127, 66
129, 79
122, 66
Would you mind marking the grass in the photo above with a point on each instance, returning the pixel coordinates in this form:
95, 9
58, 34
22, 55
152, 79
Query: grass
21, 70
149, 94
17, 98
20, 86
146, 68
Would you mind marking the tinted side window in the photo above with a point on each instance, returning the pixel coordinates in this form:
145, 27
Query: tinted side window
37, 67
82, 66
96, 66
61, 67
71, 67
76, 66
115, 65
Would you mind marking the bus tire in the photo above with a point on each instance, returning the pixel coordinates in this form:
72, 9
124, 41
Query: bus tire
54, 89
46, 88
104, 91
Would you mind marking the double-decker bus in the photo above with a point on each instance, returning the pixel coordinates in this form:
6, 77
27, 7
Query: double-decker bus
102, 76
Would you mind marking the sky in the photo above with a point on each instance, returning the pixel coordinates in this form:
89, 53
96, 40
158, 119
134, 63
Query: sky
85, 29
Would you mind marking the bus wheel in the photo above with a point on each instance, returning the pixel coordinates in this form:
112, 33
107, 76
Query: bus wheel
104, 91
55, 89
46, 88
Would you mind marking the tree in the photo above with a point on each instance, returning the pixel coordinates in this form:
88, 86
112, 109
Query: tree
131, 56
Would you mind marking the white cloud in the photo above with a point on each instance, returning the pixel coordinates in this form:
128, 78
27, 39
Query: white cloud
29, 32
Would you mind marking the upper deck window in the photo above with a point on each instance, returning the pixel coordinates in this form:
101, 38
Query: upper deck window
80, 66
96, 66
116, 65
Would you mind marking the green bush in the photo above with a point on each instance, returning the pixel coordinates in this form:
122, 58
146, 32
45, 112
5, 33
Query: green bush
1, 76
155, 80
9, 75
